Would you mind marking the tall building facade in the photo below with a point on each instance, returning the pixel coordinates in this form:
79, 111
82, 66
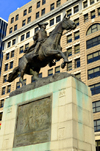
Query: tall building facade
82, 45
3, 28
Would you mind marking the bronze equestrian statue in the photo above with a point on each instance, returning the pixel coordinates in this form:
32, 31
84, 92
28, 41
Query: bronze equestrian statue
43, 53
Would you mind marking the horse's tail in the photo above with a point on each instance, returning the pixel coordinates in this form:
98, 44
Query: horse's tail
13, 75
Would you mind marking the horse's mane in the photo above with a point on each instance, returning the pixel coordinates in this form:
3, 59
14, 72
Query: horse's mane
55, 29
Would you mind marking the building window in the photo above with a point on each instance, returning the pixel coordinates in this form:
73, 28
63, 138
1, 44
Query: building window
37, 15
76, 9
14, 42
43, 2
8, 88
27, 46
93, 28
36, 29
12, 53
91, 2
24, 81
29, 19
7, 56
93, 14
28, 34
77, 48
85, 17
30, 9
21, 49
22, 37
76, 21
40, 75
85, 4
9, 44
3, 90
17, 17
69, 66
97, 142
95, 88
17, 85
93, 57
1, 103
52, 6
38, 4
58, 18
97, 125
76, 35
78, 75
99, 11
77, 63
32, 79
58, 3
69, 12
57, 69
12, 20
69, 38
11, 65
43, 11
93, 42
5, 79
23, 22
1, 116
51, 22
96, 106
25, 12
69, 51
6, 67
15, 27
95, 72
50, 72
10, 30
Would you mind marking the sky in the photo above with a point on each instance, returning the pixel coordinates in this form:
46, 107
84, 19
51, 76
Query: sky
9, 6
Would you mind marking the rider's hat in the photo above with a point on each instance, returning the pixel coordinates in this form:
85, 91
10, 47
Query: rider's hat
40, 24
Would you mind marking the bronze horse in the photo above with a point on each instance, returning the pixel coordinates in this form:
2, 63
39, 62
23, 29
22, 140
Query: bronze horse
48, 51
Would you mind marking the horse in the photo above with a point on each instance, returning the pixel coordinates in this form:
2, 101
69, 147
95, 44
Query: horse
47, 52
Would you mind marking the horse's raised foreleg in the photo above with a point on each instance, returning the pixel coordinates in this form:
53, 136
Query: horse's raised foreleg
35, 74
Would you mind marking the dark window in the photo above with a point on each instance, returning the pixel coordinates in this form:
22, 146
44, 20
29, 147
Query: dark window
77, 21
95, 88
78, 75
29, 19
28, 34
12, 20
10, 30
69, 51
30, 9
97, 141
57, 69
15, 27
95, 72
32, 79
36, 29
43, 11
77, 48
5, 79
1, 116
58, 18
91, 2
69, 66
11, 65
1, 103
76, 9
50, 72
3, 90
58, 3
93, 14
69, 38
21, 49
8, 88
93, 57
97, 125
24, 81
17, 85
69, 12
38, 4
12, 53
43, 2
76, 35
23, 22
25, 12
96, 106
93, 28
6, 67
14, 42
51, 22
99, 11
77, 63
9, 44
37, 15
7, 56
93, 42
22, 37
85, 17
27, 46
40, 75
52, 6
85, 4
17, 17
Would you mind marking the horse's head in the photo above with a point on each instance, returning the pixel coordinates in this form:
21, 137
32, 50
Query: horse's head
67, 23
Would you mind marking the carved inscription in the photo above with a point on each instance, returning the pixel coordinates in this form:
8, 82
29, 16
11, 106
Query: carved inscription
33, 123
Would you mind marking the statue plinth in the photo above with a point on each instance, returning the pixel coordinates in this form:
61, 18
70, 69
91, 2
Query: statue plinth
55, 115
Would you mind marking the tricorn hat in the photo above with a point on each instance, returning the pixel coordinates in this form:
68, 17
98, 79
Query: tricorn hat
40, 24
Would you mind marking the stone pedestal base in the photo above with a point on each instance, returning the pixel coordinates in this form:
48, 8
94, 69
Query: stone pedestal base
54, 117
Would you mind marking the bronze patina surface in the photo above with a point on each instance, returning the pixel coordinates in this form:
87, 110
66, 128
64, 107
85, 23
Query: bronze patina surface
33, 123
